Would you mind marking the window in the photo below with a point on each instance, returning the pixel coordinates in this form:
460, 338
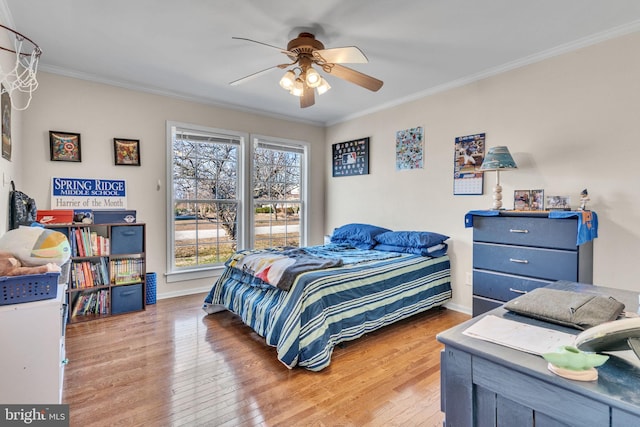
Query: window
206, 196
212, 214
278, 186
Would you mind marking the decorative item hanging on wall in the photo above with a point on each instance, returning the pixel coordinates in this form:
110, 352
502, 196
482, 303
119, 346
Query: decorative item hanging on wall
468, 156
65, 146
410, 149
22, 75
126, 151
351, 157
5, 105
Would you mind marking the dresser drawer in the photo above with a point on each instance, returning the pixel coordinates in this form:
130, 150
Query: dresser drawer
527, 231
503, 287
482, 305
549, 264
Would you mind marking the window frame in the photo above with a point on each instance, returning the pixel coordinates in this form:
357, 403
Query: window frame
304, 181
174, 274
246, 214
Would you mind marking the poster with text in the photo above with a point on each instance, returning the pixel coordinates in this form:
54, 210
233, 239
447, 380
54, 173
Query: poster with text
467, 159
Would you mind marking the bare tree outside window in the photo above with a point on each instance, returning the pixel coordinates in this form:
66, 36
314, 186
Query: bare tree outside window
207, 198
277, 184
205, 180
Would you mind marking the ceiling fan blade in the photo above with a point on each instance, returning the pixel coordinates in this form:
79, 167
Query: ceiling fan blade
308, 97
252, 76
341, 55
355, 77
264, 44
258, 73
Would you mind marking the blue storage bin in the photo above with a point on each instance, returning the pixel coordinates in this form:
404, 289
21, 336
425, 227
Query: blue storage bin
127, 239
126, 298
114, 216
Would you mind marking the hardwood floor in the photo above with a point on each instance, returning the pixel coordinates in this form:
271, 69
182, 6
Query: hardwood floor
173, 365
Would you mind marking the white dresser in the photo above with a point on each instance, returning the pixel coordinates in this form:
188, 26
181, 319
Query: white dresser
32, 354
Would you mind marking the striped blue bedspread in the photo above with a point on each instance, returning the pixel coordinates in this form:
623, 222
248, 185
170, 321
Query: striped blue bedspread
326, 307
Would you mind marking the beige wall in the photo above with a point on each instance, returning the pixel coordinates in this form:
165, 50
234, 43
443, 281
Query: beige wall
10, 169
570, 122
100, 112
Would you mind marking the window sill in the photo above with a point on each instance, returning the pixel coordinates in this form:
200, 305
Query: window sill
201, 273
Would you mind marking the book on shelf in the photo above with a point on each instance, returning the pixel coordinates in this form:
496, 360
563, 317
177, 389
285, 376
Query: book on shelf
126, 270
94, 302
86, 274
87, 243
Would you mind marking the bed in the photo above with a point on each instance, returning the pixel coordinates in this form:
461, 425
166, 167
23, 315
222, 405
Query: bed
305, 301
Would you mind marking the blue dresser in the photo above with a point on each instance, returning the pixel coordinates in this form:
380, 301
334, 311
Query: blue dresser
516, 252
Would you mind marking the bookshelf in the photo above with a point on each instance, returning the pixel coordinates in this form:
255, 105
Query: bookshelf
108, 268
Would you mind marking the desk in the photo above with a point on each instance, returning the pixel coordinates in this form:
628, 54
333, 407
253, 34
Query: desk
485, 384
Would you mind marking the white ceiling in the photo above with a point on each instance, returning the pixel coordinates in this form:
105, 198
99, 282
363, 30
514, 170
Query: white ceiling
417, 47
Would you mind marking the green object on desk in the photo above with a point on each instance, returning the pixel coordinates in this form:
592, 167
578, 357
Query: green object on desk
569, 357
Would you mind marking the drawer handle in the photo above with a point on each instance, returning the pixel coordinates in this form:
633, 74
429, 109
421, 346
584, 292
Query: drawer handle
127, 293
515, 230
517, 291
519, 261
65, 361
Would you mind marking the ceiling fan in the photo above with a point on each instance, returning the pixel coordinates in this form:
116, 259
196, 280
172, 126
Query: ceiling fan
301, 79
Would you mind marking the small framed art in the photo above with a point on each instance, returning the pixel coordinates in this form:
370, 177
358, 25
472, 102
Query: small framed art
65, 146
126, 151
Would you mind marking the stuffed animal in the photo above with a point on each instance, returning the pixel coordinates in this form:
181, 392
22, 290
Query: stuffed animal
11, 266
34, 246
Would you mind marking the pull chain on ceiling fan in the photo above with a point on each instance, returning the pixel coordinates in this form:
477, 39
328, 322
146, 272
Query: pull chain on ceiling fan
301, 80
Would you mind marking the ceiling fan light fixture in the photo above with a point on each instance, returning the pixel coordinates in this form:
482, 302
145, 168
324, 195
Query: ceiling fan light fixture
323, 86
298, 88
312, 78
287, 81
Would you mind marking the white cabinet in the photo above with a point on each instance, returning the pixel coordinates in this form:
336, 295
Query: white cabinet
32, 354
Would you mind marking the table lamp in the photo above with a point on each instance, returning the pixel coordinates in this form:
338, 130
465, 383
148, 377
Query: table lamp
497, 159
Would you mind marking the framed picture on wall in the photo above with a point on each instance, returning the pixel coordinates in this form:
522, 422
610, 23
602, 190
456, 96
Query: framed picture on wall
65, 146
351, 157
126, 151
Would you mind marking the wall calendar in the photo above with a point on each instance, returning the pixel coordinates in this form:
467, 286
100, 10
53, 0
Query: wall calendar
468, 157
351, 157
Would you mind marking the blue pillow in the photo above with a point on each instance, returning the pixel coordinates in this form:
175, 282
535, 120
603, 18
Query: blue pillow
434, 251
411, 239
361, 236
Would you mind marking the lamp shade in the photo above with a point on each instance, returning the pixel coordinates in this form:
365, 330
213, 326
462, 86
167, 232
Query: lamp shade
498, 158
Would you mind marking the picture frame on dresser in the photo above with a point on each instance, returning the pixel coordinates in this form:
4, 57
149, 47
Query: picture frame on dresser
559, 202
521, 200
536, 199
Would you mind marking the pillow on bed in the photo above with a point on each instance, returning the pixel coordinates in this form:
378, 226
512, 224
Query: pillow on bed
433, 251
411, 239
362, 236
